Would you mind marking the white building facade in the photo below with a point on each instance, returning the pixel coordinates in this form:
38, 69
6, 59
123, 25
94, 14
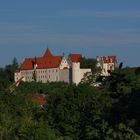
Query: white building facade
107, 64
50, 68
78, 73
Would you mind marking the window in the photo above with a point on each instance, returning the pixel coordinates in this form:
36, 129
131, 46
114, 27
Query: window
56, 78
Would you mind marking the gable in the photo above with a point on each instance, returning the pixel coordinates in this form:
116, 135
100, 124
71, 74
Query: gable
64, 64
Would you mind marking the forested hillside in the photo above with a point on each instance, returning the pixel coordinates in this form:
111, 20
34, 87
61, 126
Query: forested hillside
72, 112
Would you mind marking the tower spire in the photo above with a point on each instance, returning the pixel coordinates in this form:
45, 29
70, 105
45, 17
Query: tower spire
48, 53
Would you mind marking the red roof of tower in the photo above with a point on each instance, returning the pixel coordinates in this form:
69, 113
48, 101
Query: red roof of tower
75, 57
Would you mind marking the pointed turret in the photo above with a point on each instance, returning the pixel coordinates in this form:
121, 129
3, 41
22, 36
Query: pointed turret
48, 53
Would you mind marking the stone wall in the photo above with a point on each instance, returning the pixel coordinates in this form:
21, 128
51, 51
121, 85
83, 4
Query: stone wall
64, 75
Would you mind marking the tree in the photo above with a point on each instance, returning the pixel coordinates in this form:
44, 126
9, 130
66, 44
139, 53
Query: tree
123, 81
10, 69
73, 112
15, 63
92, 76
123, 88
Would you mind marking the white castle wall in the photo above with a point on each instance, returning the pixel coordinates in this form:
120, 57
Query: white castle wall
47, 75
77, 73
62, 73
17, 76
42, 75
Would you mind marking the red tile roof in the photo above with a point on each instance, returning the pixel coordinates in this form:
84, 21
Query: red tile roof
75, 57
40, 99
109, 59
47, 61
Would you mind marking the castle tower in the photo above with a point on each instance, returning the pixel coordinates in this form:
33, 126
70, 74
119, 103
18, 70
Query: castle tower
76, 74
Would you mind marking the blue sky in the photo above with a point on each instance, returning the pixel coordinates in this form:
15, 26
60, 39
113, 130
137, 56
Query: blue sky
91, 27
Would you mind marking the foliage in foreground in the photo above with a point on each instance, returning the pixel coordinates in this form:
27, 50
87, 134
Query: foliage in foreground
74, 112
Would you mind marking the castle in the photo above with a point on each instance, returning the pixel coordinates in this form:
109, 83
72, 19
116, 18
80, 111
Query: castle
106, 63
51, 68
